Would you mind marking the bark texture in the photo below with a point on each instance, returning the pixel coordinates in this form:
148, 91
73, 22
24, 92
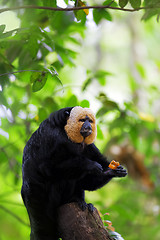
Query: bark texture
75, 224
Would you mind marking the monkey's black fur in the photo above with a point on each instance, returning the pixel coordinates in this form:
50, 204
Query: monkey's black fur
57, 171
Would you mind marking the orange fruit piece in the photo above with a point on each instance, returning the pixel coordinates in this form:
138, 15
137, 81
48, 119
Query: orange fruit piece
113, 164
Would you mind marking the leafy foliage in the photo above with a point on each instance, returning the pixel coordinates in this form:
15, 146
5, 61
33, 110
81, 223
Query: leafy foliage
37, 61
123, 3
154, 9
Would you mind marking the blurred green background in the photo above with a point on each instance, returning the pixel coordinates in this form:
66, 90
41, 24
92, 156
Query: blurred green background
107, 60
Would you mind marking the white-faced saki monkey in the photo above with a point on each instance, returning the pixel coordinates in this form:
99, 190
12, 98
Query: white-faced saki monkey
60, 162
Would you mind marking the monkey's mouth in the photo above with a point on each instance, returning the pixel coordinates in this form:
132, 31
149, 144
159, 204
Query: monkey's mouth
85, 132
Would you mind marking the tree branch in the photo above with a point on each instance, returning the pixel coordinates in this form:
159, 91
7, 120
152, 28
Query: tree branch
73, 223
76, 8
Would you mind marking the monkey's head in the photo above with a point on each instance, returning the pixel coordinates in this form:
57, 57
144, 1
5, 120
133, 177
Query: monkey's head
81, 125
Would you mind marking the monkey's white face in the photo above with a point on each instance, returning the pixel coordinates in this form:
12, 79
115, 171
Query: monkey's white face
81, 125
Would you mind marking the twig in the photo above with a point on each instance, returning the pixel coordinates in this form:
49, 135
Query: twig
14, 215
19, 71
68, 9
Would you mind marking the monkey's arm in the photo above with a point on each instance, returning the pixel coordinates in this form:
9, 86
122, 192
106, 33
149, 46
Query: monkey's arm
92, 182
76, 168
93, 153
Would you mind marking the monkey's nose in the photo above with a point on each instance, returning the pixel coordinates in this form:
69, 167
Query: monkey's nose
86, 130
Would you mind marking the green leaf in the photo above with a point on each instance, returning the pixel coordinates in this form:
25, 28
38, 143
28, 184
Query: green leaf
6, 34
135, 3
58, 65
86, 83
108, 105
66, 55
133, 84
25, 60
99, 132
102, 73
2, 28
110, 3
152, 3
96, 16
85, 103
72, 101
14, 50
107, 15
99, 14
50, 104
50, 3
123, 3
54, 75
101, 112
80, 15
33, 46
38, 80
102, 81
155, 9
3, 100
25, 76
150, 13
42, 114
56, 78
34, 76
101, 76
141, 70
3, 157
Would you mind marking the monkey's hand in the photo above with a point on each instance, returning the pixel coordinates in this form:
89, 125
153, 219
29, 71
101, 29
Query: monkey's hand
95, 167
118, 172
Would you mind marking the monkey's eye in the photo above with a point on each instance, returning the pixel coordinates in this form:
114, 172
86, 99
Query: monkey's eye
82, 120
67, 113
90, 121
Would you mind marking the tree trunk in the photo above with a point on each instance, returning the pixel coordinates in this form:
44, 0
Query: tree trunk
75, 224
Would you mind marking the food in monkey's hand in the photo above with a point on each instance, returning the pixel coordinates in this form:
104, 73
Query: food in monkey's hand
113, 164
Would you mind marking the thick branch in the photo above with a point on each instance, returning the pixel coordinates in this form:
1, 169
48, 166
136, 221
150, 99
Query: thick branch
73, 223
75, 8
